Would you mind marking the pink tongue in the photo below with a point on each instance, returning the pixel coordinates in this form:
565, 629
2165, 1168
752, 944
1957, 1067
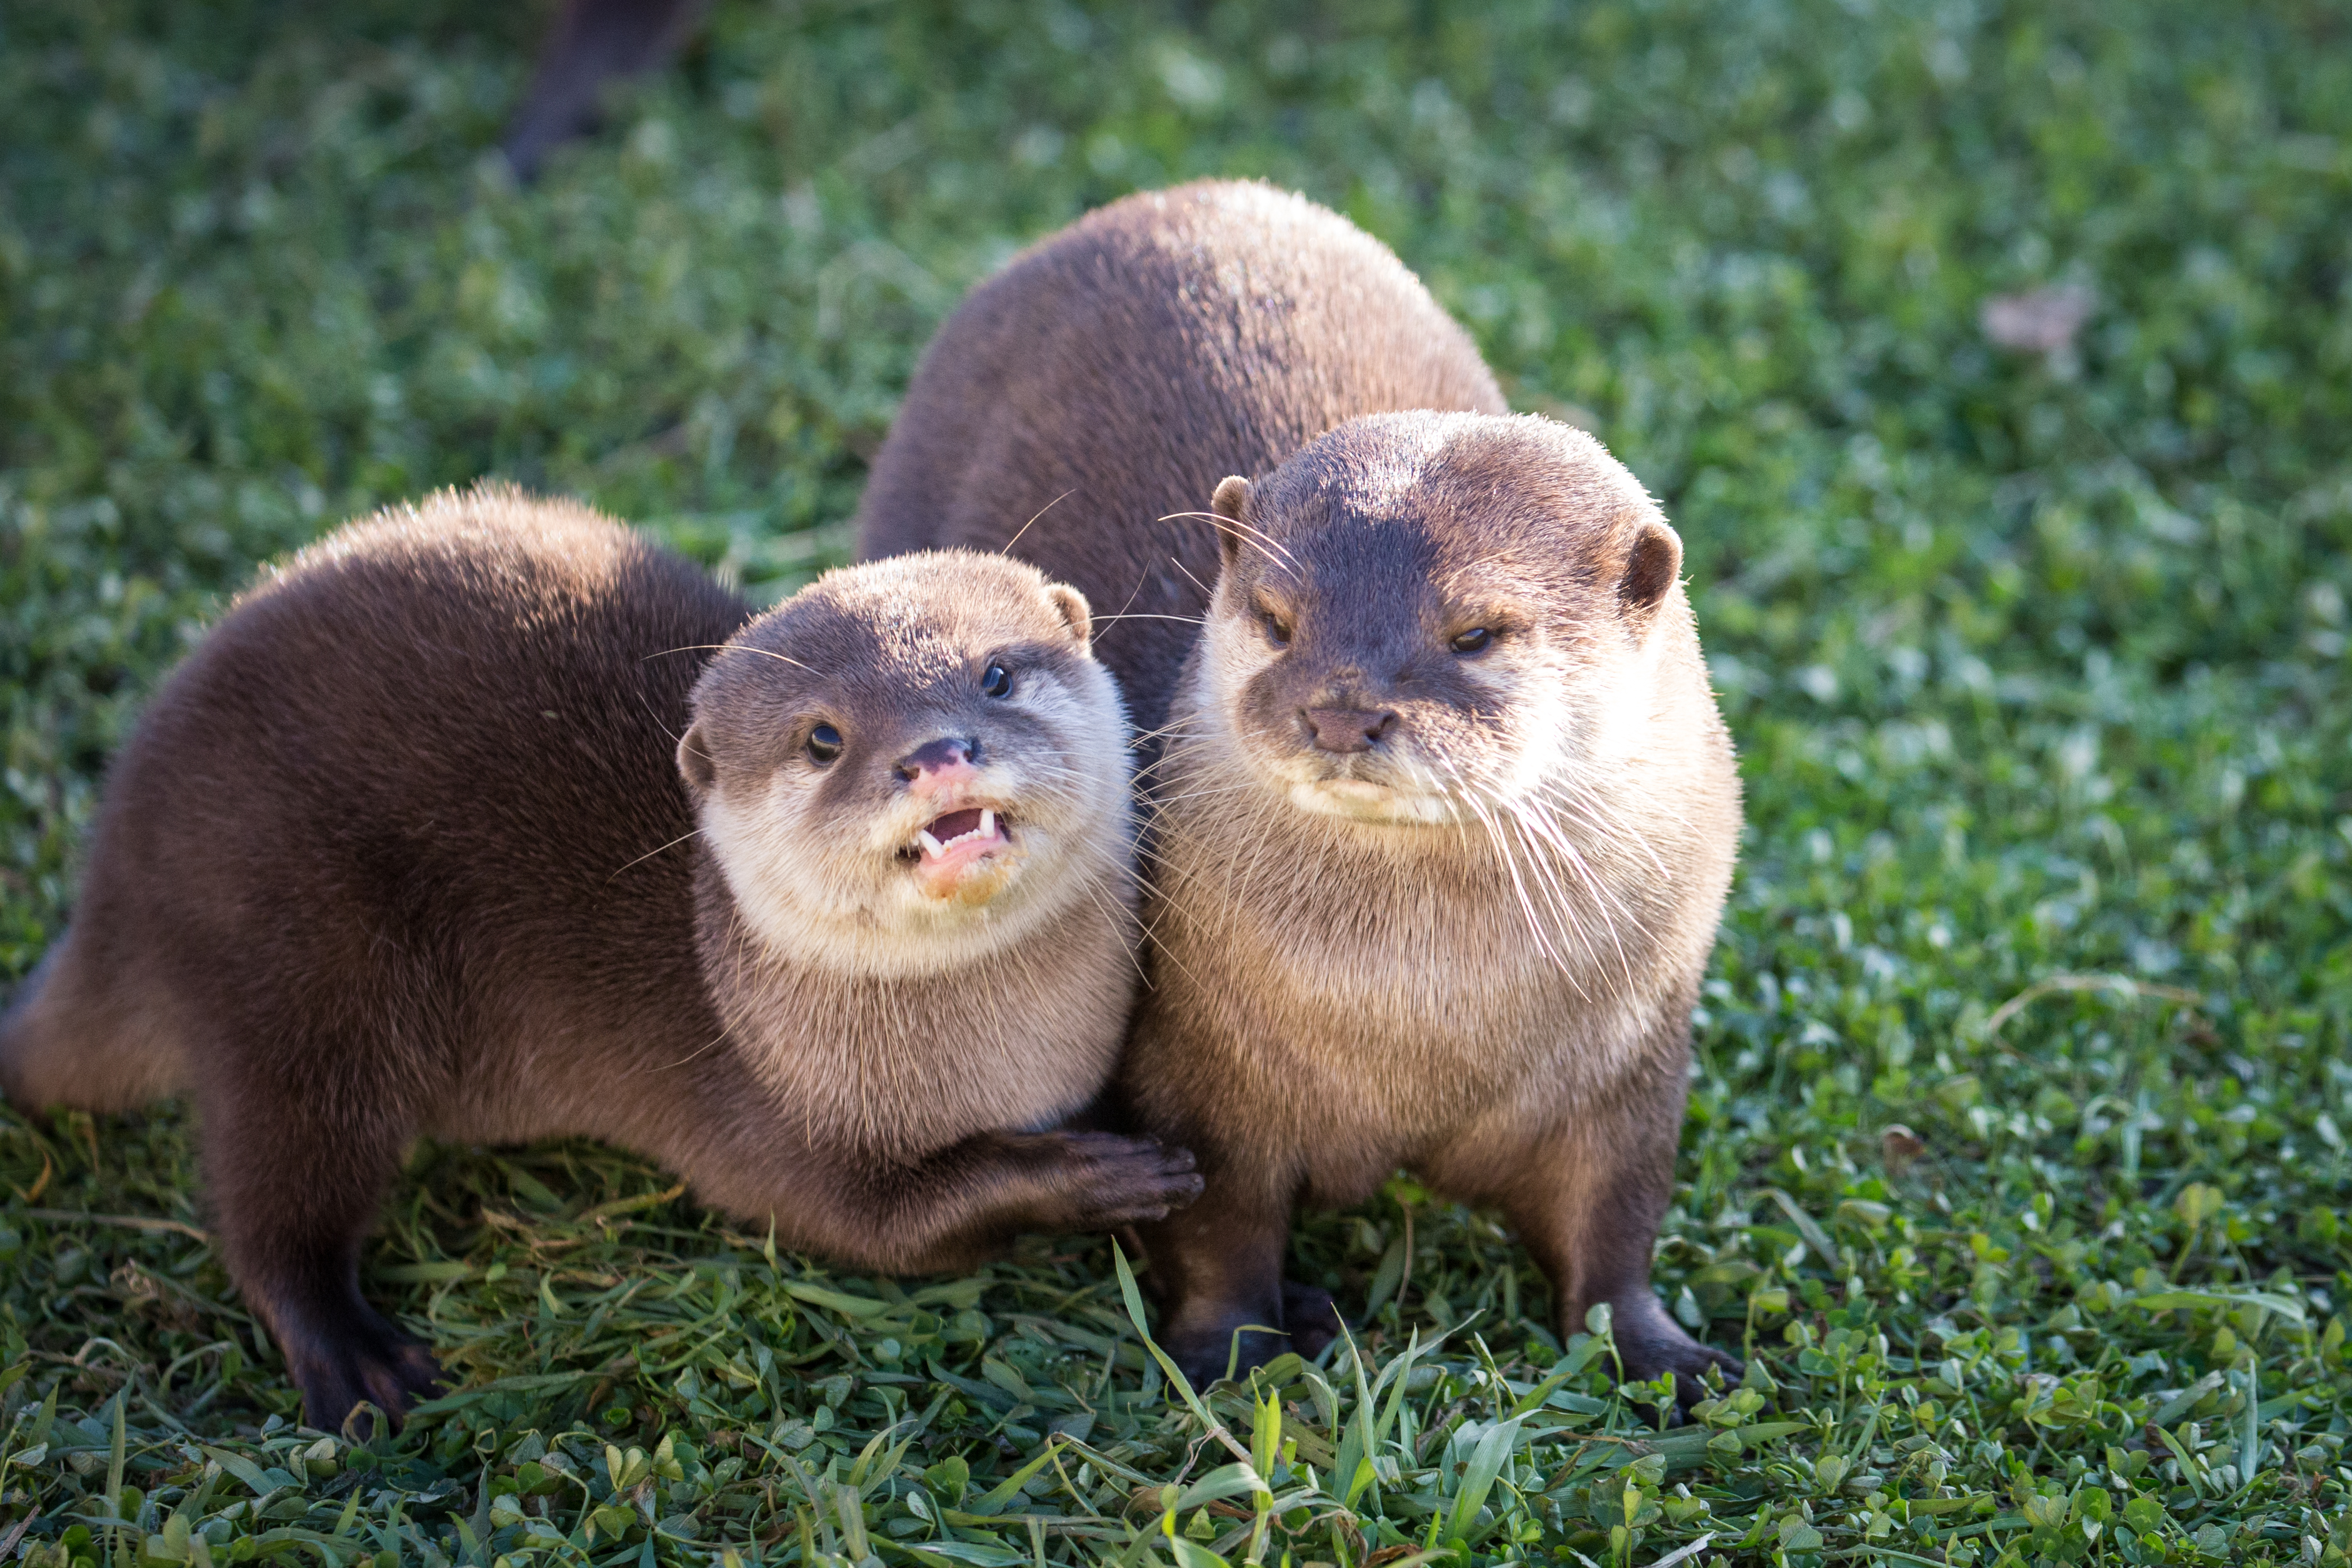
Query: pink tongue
955, 825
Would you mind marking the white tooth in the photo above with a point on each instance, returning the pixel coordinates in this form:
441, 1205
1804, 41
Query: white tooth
987, 823
930, 845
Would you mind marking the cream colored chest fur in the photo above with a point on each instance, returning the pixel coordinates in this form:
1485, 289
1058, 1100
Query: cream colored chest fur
1410, 990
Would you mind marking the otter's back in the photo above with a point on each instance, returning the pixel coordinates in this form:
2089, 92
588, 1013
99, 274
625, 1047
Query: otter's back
425, 747
1111, 375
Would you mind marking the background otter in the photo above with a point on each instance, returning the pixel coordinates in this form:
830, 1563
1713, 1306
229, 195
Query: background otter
1115, 372
402, 848
1446, 814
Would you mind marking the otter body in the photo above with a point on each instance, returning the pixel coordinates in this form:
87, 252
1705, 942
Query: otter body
1446, 814
403, 848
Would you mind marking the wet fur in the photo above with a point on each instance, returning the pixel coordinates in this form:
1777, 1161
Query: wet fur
403, 848
1473, 953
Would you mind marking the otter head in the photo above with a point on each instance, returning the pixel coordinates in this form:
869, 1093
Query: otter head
909, 763
1421, 617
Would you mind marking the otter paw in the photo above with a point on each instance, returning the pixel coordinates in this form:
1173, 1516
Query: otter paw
1311, 1317
377, 1366
1107, 1180
1206, 1359
1660, 1345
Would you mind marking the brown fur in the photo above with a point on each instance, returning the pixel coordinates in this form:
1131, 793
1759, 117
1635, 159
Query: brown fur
403, 848
1113, 374
1414, 906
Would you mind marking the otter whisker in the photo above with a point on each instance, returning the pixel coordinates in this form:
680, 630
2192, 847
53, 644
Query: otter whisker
1268, 545
730, 647
1204, 793
1554, 895
1606, 898
1006, 548
1596, 811
647, 703
1576, 867
1608, 827
1527, 903
698, 1051
1173, 726
1206, 591
1095, 888
1132, 597
656, 850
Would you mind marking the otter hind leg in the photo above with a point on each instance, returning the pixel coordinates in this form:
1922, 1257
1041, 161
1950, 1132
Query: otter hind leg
87, 1040
1588, 1211
295, 1192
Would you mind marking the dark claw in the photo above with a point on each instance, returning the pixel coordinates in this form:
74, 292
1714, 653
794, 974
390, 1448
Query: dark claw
1651, 1342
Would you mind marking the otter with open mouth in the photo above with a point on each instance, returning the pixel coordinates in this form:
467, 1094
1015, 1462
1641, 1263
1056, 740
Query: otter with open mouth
912, 782
409, 844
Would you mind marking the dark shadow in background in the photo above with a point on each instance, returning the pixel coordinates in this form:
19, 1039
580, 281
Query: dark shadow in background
593, 45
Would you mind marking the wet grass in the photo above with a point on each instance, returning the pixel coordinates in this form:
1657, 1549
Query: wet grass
2017, 1156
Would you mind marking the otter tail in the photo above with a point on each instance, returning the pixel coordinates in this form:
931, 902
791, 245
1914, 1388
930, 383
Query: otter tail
70, 1039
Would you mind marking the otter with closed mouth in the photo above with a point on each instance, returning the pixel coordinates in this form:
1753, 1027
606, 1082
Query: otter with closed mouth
490, 821
1445, 815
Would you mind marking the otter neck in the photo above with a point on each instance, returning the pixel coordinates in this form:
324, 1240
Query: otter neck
1018, 1038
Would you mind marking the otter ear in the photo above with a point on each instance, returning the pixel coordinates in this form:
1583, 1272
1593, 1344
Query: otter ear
1232, 503
694, 764
1651, 568
1075, 613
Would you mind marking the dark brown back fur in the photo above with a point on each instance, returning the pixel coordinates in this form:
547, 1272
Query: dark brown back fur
350, 777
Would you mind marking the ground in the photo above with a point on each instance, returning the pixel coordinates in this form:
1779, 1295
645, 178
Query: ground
2016, 1163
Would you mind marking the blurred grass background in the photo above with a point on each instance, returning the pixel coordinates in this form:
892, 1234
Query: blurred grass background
2037, 661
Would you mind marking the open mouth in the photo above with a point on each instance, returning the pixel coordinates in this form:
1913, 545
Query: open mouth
976, 828
960, 837
964, 856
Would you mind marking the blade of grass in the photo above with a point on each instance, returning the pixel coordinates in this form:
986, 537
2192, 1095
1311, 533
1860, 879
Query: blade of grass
1176, 1379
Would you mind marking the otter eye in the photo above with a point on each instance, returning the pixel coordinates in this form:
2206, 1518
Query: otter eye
823, 744
1475, 640
997, 681
1277, 630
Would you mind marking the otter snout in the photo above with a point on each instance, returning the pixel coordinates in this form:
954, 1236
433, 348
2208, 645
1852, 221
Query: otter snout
966, 851
946, 763
1348, 734
1344, 730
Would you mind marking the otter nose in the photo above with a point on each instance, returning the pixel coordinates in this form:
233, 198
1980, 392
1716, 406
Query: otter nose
1348, 729
948, 760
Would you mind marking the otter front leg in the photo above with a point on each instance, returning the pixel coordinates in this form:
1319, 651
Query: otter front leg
1587, 1205
1216, 1269
956, 1209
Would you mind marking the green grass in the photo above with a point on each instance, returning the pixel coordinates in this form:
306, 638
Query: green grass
2037, 667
